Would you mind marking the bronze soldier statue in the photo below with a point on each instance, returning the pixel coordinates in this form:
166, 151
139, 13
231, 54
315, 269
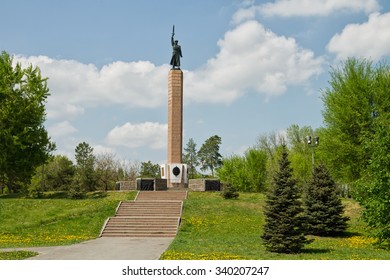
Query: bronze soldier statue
176, 52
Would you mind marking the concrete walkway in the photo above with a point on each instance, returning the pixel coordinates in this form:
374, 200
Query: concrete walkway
104, 248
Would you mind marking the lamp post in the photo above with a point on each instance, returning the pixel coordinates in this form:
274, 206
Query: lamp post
312, 144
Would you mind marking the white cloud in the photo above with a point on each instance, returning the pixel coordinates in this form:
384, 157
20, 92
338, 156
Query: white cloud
100, 149
251, 58
370, 39
75, 86
56, 109
244, 14
148, 134
288, 8
61, 129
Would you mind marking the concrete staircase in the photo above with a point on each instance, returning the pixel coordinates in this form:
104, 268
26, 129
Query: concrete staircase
151, 214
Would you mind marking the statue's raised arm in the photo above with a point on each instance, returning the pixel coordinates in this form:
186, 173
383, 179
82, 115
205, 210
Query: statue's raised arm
173, 35
176, 51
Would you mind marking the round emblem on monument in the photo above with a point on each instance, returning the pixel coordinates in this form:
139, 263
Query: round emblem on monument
176, 171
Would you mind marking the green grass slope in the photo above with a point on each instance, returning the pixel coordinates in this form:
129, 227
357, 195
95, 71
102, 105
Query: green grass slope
215, 228
212, 228
28, 222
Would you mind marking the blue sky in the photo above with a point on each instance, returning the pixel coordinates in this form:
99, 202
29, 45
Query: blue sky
250, 67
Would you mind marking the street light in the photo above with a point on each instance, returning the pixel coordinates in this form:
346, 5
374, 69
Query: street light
312, 146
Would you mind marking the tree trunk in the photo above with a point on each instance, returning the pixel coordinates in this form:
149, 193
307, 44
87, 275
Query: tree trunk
10, 184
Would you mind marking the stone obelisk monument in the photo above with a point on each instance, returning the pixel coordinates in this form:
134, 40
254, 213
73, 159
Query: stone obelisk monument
175, 116
175, 171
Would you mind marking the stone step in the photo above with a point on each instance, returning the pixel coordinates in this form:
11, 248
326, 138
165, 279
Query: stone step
140, 233
143, 215
150, 228
114, 224
146, 224
149, 210
144, 219
152, 211
156, 204
143, 235
152, 214
160, 195
136, 229
139, 230
152, 202
162, 201
151, 198
141, 226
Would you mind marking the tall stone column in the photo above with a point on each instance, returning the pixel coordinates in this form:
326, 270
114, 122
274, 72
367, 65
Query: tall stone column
175, 172
175, 116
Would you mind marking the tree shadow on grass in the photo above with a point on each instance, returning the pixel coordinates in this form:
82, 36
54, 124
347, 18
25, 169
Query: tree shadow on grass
12, 195
96, 195
348, 234
55, 195
344, 234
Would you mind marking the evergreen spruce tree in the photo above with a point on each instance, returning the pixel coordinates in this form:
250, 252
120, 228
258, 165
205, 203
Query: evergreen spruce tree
323, 208
284, 230
230, 192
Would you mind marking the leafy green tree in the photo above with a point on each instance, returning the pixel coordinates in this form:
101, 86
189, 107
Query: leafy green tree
59, 173
38, 183
323, 208
284, 228
374, 187
24, 141
233, 173
190, 157
55, 175
271, 144
356, 110
300, 153
149, 170
256, 165
208, 154
357, 93
245, 173
85, 177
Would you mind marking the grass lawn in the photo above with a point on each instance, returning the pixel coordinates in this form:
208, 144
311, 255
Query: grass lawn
26, 222
17, 255
212, 228
215, 228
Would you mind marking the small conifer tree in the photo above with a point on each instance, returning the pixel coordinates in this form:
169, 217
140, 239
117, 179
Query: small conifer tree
323, 208
284, 230
230, 192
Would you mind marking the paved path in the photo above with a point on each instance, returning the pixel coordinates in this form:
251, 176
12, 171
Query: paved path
104, 248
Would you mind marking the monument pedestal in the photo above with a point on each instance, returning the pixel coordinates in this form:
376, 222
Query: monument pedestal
176, 175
